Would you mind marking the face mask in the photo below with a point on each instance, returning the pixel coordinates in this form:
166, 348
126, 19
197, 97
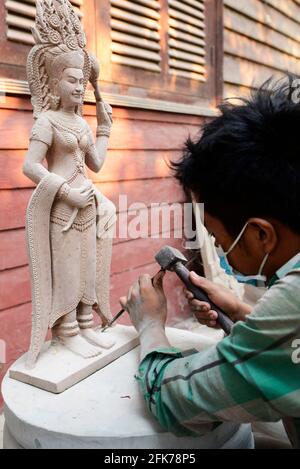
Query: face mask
256, 280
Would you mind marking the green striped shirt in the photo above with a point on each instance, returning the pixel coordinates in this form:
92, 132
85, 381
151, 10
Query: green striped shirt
252, 375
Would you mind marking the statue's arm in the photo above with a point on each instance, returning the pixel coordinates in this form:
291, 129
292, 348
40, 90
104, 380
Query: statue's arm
40, 141
96, 153
33, 167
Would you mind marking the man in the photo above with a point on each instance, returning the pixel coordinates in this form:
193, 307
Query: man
245, 169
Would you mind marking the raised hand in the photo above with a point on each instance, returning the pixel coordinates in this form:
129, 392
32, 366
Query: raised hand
104, 118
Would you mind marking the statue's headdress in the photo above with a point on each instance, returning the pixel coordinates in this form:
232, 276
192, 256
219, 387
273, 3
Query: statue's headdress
60, 44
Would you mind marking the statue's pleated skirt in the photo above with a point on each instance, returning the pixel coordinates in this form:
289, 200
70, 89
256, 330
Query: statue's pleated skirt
74, 259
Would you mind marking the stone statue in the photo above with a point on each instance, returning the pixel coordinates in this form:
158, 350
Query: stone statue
69, 223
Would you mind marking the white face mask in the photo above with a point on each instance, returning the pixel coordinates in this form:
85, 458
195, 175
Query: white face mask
261, 279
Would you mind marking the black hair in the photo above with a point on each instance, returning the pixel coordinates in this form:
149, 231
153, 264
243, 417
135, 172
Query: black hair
247, 160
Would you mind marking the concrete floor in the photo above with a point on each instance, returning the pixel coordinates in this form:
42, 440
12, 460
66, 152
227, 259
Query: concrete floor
1, 429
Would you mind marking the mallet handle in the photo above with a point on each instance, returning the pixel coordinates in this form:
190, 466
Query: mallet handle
199, 294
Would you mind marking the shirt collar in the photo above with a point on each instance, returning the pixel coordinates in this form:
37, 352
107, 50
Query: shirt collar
290, 265
286, 268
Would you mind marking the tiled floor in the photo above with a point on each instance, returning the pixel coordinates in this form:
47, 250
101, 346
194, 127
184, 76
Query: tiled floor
1, 429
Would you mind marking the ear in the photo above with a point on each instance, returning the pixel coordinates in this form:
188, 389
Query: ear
265, 233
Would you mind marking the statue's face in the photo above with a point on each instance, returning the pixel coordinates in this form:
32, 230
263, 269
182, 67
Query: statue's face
70, 87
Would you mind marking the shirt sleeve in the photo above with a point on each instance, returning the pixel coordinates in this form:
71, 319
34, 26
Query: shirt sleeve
42, 131
249, 376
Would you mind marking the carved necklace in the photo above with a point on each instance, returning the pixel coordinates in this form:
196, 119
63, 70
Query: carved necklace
69, 123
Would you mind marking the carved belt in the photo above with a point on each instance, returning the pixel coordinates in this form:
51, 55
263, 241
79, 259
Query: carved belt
85, 218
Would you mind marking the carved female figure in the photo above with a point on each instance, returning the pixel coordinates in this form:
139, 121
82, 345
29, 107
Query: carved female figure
69, 222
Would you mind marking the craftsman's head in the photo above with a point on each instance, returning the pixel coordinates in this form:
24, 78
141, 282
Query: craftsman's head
245, 168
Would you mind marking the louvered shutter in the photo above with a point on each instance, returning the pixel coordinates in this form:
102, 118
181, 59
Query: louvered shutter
187, 38
135, 33
20, 16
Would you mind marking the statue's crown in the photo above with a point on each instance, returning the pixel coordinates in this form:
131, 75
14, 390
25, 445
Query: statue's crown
57, 24
60, 44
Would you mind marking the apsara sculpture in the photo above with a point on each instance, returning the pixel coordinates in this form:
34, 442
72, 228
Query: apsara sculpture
69, 223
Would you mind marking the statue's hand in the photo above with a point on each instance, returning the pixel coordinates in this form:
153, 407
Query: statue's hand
104, 118
82, 197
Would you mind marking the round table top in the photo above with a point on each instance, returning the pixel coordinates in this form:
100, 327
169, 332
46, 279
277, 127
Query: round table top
106, 410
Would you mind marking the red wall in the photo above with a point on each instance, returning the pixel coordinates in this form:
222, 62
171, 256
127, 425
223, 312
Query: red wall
141, 141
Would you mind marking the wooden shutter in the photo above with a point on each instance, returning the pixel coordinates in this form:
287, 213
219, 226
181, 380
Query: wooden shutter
187, 38
20, 17
135, 33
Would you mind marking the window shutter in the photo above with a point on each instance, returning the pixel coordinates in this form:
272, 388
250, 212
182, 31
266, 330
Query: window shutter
187, 38
135, 33
20, 17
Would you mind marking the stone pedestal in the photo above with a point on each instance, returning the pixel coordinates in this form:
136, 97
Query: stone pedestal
58, 369
106, 410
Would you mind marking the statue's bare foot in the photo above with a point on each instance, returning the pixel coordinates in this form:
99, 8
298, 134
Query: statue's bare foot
97, 338
79, 346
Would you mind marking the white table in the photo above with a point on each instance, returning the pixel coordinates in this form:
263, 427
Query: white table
105, 410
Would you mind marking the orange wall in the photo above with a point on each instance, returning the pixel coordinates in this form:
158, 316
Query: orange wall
141, 141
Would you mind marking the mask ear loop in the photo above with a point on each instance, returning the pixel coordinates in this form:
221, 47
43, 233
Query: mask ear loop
260, 278
237, 240
263, 264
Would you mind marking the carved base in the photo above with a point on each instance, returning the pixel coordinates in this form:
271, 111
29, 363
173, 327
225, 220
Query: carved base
59, 369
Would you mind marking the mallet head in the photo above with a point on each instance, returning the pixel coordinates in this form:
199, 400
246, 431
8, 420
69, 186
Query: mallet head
167, 258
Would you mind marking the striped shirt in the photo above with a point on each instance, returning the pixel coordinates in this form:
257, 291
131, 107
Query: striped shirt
252, 375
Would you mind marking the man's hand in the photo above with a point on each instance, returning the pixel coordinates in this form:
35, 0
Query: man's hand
146, 302
221, 296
